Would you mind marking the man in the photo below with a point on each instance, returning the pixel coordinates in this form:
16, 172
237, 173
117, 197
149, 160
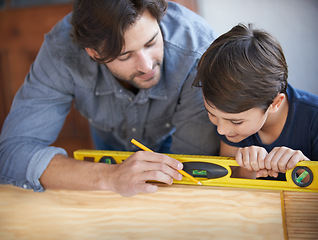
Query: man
129, 67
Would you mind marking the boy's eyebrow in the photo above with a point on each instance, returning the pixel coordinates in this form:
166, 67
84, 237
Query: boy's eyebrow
229, 119
156, 34
234, 120
208, 111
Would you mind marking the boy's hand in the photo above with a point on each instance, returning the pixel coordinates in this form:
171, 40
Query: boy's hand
251, 158
266, 173
257, 159
281, 159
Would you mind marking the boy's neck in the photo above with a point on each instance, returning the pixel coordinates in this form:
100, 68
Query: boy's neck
274, 124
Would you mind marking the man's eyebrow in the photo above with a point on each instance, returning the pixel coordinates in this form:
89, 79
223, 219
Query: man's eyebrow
156, 34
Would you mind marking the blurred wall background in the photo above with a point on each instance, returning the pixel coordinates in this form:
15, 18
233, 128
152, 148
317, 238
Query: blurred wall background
293, 22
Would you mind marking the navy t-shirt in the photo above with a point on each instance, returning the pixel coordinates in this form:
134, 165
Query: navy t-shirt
301, 128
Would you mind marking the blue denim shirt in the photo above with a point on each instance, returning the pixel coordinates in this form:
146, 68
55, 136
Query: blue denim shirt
63, 72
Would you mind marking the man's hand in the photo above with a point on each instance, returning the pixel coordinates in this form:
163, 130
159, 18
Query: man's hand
131, 176
127, 178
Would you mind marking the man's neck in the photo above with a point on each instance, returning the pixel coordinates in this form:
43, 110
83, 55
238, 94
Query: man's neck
129, 87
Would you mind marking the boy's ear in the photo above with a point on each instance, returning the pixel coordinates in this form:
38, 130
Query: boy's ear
277, 102
92, 53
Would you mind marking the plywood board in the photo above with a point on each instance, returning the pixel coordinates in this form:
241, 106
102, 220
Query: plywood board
174, 212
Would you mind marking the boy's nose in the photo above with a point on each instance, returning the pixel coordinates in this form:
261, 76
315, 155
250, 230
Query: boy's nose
223, 128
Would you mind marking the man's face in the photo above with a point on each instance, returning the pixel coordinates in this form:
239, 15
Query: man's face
142, 54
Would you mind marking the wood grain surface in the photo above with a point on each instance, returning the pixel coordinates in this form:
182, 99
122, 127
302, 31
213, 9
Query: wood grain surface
174, 212
301, 213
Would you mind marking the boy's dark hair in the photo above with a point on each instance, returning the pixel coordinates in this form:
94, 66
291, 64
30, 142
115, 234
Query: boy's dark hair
242, 69
101, 24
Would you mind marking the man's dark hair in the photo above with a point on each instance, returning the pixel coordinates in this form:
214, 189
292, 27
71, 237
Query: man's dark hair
101, 24
242, 69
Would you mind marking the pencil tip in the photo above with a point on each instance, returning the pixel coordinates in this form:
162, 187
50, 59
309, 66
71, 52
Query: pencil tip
199, 183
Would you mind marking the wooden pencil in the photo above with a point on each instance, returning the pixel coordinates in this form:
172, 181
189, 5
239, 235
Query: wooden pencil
143, 147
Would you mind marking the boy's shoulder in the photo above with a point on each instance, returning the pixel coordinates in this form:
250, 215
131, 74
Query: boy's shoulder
302, 98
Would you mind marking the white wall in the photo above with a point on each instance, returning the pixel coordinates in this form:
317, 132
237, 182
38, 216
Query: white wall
293, 22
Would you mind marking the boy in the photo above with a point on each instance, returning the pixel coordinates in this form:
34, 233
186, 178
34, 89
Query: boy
261, 119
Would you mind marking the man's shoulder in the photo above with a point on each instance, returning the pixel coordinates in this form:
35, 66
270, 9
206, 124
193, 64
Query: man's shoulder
185, 29
62, 51
59, 39
184, 17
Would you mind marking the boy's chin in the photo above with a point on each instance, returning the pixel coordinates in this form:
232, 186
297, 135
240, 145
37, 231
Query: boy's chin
234, 139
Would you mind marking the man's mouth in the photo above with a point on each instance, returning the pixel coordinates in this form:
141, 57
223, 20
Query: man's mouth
147, 76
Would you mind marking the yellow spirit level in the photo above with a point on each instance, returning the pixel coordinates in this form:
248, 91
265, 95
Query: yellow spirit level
216, 171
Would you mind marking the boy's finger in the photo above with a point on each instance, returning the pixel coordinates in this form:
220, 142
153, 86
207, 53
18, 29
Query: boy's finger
239, 157
262, 173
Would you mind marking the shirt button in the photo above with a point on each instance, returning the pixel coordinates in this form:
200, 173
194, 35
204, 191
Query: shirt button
120, 90
167, 125
25, 186
133, 129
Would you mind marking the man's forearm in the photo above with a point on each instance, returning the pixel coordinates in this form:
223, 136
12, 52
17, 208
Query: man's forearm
67, 173
127, 178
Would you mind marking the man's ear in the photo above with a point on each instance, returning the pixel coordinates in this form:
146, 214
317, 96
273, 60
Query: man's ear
92, 53
277, 102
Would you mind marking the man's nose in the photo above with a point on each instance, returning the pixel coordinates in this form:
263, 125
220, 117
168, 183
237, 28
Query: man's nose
145, 63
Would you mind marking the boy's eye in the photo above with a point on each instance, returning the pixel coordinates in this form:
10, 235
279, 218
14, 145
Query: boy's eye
237, 123
212, 115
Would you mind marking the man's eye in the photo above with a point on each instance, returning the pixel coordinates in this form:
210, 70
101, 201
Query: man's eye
237, 123
151, 44
124, 57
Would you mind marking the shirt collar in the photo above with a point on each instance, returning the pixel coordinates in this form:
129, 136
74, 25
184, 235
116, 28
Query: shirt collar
105, 83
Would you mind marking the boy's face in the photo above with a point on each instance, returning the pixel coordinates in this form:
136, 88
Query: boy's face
142, 54
237, 126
